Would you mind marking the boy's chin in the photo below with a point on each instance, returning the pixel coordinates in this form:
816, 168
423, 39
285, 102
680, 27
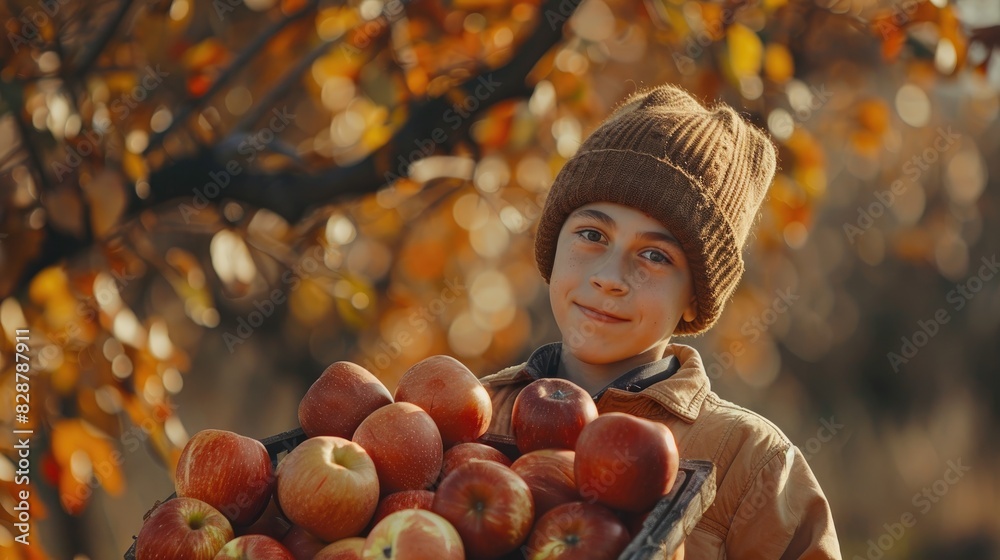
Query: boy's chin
594, 356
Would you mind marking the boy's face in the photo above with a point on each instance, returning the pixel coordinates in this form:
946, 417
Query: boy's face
624, 264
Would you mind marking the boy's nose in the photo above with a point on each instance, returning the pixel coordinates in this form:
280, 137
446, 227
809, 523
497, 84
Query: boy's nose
608, 284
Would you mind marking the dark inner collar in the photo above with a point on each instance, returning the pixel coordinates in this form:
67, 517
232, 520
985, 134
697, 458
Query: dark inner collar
545, 360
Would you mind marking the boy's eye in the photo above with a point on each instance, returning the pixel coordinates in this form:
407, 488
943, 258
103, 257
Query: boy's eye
590, 235
657, 256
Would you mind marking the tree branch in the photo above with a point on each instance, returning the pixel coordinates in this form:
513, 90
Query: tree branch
432, 123
238, 64
103, 37
431, 126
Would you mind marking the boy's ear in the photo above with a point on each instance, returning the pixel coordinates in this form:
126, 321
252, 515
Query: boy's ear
691, 312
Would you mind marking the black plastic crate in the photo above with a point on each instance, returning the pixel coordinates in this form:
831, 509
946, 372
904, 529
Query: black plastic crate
672, 519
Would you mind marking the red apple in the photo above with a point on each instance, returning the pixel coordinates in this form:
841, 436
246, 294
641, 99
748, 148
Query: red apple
413, 534
471, 451
232, 473
625, 462
328, 486
451, 394
405, 445
301, 543
254, 547
489, 505
336, 403
183, 529
549, 474
407, 499
272, 523
577, 530
550, 413
344, 549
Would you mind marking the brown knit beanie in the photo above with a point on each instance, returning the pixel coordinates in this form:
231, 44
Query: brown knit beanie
702, 172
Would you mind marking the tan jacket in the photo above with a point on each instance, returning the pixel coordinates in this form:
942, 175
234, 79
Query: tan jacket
768, 503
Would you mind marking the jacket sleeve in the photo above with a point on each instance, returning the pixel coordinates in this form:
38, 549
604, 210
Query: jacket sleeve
783, 514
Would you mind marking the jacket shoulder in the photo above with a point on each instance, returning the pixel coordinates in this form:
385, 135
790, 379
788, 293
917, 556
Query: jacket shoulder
740, 431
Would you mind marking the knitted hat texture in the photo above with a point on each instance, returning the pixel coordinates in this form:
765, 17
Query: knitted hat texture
702, 172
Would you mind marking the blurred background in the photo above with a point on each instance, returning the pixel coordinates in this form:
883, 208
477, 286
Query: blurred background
203, 204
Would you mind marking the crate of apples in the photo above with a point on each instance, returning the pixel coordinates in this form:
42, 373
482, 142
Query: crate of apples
405, 476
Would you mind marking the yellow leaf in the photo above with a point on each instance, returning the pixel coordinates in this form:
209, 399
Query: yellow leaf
745, 50
873, 114
73, 494
778, 63
102, 460
311, 302
209, 52
134, 166
48, 283
65, 377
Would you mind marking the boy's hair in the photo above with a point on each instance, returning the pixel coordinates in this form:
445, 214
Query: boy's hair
702, 172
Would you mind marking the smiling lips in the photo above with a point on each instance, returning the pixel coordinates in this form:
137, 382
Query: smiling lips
600, 315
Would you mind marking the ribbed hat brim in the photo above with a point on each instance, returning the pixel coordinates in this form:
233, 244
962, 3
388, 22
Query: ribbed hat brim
677, 201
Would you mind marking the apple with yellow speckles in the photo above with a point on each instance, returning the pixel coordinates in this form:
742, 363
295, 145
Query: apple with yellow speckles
489, 505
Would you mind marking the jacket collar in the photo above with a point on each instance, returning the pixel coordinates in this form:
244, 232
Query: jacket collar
677, 382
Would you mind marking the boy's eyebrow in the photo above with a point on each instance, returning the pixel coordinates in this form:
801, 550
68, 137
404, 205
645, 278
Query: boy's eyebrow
609, 222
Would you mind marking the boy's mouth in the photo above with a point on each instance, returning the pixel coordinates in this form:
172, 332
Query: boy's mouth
600, 315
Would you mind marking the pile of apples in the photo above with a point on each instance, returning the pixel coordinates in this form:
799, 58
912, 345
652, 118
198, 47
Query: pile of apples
403, 476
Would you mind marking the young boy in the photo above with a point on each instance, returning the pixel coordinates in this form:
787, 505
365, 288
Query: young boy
641, 238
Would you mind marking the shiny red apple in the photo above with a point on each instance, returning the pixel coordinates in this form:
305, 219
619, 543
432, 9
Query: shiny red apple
577, 530
405, 445
625, 462
183, 529
489, 505
471, 451
328, 486
350, 548
406, 499
451, 394
232, 473
549, 474
336, 403
550, 413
